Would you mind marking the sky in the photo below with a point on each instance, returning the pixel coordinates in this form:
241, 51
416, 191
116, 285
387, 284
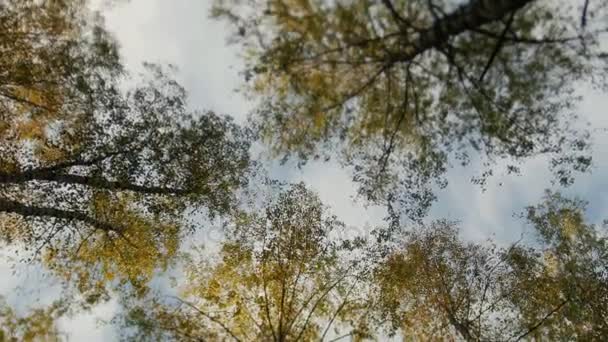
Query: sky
180, 32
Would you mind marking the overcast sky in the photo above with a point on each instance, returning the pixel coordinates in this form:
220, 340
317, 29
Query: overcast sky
179, 32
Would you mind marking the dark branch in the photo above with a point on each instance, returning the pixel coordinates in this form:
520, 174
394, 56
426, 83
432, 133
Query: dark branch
95, 182
77, 162
25, 101
543, 320
102, 183
584, 15
473, 15
497, 48
389, 5
34, 211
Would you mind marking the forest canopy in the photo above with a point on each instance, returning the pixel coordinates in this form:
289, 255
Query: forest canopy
111, 182
401, 90
97, 181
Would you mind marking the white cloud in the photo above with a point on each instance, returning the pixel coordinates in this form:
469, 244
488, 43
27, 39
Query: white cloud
180, 32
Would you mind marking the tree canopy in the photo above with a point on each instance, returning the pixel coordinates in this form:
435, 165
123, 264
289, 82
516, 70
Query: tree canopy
404, 89
284, 274
105, 174
436, 285
282, 277
97, 179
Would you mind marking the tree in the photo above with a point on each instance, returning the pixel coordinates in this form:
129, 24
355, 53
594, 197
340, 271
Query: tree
436, 286
98, 180
284, 274
406, 88
53, 56
576, 257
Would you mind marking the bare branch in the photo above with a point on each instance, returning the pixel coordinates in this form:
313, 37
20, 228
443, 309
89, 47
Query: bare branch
497, 48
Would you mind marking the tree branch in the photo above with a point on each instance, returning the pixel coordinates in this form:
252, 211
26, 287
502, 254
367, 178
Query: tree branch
77, 162
34, 211
211, 318
584, 15
318, 301
498, 46
470, 16
340, 307
389, 5
95, 182
539, 323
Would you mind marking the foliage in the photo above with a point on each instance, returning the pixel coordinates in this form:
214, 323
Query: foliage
406, 88
285, 275
38, 325
97, 176
436, 285
103, 174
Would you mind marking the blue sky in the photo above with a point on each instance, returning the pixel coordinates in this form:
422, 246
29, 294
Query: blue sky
179, 32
